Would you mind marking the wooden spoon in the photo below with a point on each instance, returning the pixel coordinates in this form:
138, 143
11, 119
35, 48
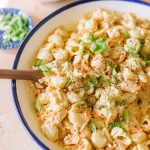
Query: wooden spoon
33, 75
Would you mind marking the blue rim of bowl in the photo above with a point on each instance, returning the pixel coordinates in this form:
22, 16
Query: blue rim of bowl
14, 44
14, 91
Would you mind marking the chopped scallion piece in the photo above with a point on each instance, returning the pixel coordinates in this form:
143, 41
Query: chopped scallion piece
92, 84
46, 70
83, 43
110, 96
68, 83
145, 60
119, 102
100, 106
38, 63
38, 105
132, 52
148, 62
110, 109
143, 63
86, 77
116, 123
115, 74
15, 27
142, 42
126, 116
111, 65
91, 37
93, 126
99, 46
126, 36
80, 102
105, 82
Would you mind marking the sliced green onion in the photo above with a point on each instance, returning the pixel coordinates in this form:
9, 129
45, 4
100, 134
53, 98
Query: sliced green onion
126, 116
92, 84
93, 126
38, 105
143, 63
119, 102
118, 68
15, 27
80, 102
68, 83
115, 74
132, 52
110, 96
46, 70
111, 65
83, 43
99, 46
142, 42
110, 109
100, 106
38, 63
7, 18
106, 83
91, 37
126, 36
145, 60
116, 123
87, 77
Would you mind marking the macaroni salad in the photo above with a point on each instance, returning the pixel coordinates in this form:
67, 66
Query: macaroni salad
95, 93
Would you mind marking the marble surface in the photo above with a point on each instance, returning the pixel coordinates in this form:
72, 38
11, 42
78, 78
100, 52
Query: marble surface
13, 136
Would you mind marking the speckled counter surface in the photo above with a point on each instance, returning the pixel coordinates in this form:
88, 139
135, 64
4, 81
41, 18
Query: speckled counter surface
13, 136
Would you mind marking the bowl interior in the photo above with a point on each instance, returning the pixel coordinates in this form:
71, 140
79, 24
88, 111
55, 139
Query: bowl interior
67, 18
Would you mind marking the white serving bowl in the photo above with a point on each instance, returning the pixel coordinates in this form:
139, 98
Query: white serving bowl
66, 16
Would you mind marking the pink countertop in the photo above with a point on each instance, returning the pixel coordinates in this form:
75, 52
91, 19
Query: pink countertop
13, 136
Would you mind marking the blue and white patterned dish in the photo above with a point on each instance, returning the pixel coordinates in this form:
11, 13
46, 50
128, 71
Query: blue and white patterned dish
14, 11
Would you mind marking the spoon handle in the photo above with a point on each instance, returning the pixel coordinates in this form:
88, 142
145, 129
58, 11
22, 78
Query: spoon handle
21, 74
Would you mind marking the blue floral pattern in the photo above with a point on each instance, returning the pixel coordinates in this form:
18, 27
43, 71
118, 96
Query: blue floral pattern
14, 11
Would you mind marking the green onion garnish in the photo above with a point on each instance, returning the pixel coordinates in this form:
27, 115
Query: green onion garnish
132, 52
100, 106
119, 102
38, 105
142, 42
68, 83
126, 36
116, 123
145, 60
92, 84
115, 74
99, 46
80, 102
126, 116
91, 37
45, 69
38, 63
93, 126
106, 83
15, 27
